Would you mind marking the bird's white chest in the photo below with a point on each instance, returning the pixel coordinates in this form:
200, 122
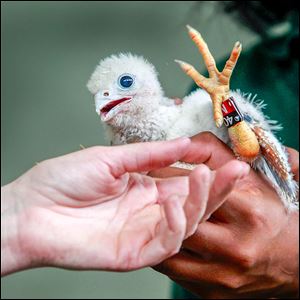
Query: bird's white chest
168, 122
138, 129
196, 115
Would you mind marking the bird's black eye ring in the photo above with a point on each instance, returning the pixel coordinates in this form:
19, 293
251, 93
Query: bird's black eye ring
125, 81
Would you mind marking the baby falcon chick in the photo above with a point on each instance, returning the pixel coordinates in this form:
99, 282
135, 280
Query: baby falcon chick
132, 106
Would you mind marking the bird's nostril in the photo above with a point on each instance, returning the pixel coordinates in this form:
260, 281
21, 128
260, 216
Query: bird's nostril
106, 94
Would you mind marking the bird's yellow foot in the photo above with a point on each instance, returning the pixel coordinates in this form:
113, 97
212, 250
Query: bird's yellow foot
217, 85
245, 143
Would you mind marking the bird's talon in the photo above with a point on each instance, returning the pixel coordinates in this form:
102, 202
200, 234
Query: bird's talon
237, 45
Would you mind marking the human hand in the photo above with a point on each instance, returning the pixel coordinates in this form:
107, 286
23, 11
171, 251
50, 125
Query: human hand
249, 248
87, 210
84, 210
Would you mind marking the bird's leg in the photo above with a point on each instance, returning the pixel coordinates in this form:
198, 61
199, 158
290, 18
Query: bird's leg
245, 143
217, 85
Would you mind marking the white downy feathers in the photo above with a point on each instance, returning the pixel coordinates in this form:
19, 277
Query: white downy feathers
133, 107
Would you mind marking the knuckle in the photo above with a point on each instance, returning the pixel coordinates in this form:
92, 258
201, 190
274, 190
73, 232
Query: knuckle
246, 256
209, 137
171, 268
256, 216
233, 282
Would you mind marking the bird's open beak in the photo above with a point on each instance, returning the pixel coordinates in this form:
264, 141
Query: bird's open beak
110, 108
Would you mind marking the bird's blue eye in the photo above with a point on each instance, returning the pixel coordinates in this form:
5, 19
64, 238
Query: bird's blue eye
126, 81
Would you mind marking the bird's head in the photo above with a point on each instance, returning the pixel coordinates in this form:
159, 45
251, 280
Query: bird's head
122, 84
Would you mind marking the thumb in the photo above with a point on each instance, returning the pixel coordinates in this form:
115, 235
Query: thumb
146, 156
207, 149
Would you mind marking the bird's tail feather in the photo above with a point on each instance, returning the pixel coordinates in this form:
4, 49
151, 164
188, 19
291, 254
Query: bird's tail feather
287, 189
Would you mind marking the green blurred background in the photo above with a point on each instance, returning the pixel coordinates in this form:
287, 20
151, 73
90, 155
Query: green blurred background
48, 52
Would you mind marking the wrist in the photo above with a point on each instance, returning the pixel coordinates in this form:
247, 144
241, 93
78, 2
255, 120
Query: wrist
13, 256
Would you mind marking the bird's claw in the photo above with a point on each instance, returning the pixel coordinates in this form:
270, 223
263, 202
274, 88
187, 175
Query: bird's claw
217, 85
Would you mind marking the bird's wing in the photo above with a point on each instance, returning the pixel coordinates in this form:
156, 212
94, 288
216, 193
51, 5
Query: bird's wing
273, 161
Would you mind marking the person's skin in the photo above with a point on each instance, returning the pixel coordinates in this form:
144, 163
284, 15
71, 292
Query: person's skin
91, 209
249, 248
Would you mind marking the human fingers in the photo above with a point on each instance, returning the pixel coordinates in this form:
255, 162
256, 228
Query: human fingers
168, 187
208, 149
188, 267
197, 200
169, 236
212, 241
141, 157
205, 148
221, 184
226, 178
202, 185
169, 172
